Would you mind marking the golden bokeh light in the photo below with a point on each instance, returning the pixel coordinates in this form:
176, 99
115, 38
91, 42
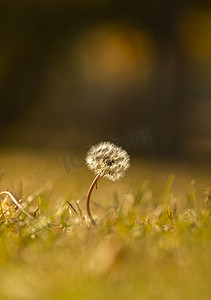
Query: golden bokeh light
194, 35
114, 55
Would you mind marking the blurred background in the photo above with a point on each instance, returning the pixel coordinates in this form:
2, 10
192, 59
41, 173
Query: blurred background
76, 72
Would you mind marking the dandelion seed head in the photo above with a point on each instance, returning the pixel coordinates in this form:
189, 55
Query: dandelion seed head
108, 160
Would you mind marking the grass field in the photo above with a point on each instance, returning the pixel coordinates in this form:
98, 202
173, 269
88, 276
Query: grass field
153, 239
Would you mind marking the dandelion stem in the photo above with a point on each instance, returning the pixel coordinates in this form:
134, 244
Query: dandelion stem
88, 199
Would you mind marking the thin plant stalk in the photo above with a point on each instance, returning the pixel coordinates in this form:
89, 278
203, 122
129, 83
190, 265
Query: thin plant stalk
88, 200
17, 203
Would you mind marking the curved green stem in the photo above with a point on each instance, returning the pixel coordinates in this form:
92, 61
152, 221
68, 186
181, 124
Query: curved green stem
88, 199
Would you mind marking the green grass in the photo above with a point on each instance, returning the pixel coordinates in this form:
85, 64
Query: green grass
153, 239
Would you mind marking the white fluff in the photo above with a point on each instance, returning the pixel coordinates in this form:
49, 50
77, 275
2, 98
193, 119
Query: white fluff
108, 160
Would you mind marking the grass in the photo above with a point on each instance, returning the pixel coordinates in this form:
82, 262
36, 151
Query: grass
153, 239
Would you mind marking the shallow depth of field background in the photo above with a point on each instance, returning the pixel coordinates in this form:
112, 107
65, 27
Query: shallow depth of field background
77, 72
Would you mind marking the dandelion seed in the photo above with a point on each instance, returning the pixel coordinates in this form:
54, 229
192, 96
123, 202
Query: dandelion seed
106, 160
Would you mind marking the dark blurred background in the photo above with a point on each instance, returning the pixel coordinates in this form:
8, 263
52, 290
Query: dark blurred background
76, 72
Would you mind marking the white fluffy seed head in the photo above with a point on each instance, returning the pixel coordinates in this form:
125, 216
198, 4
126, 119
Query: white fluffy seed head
108, 160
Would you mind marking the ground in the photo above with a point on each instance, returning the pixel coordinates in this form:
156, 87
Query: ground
152, 241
